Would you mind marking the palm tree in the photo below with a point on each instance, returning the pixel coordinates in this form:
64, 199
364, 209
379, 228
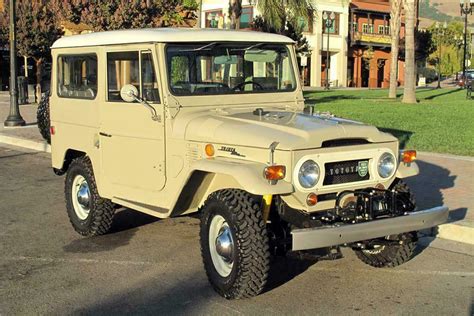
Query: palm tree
410, 84
277, 12
274, 12
395, 13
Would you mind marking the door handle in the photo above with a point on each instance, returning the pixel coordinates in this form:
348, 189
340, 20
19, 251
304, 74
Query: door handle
104, 134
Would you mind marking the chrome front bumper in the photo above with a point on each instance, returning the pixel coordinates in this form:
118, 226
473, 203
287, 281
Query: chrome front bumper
319, 237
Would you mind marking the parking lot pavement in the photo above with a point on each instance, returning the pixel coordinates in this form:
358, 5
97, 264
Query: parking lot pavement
154, 266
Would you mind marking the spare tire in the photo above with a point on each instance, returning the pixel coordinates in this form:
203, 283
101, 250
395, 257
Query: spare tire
42, 116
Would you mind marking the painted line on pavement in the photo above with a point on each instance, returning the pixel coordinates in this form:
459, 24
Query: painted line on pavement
402, 271
25, 143
447, 156
79, 260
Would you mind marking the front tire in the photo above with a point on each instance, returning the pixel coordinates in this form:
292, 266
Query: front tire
393, 254
89, 214
234, 244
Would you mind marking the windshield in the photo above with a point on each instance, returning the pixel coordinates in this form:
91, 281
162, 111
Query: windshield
229, 68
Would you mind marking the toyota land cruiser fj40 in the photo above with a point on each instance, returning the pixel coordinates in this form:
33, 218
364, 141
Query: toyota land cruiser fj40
175, 121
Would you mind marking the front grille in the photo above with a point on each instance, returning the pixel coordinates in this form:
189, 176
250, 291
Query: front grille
346, 171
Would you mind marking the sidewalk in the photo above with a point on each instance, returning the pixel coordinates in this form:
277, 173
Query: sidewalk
27, 136
443, 179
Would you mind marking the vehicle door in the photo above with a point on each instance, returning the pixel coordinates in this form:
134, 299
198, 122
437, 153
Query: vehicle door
132, 143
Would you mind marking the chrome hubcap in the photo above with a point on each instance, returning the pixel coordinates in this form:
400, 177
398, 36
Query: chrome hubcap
81, 197
221, 245
225, 244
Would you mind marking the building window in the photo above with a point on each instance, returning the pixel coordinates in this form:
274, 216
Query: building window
306, 23
246, 17
77, 76
334, 29
354, 27
213, 18
384, 29
367, 28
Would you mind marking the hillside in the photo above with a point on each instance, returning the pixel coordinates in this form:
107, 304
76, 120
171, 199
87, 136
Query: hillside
440, 10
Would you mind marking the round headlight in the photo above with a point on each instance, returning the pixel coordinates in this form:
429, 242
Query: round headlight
308, 175
386, 165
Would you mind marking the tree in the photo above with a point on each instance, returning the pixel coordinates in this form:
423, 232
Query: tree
235, 11
125, 14
409, 95
277, 13
395, 13
37, 29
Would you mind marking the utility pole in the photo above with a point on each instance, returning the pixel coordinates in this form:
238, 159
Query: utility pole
14, 118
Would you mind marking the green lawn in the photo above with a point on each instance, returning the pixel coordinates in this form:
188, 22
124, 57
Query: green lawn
442, 122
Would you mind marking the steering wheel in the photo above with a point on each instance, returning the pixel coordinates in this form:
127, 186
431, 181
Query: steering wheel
243, 84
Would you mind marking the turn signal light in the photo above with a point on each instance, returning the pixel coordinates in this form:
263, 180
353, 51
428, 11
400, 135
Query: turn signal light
276, 172
312, 199
408, 156
209, 149
52, 130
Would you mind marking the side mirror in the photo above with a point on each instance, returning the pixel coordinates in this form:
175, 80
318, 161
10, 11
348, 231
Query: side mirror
129, 93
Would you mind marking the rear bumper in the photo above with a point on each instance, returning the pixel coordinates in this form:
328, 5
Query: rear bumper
312, 238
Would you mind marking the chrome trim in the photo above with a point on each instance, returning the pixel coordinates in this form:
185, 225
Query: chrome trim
312, 238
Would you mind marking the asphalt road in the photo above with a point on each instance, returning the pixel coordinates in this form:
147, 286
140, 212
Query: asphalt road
154, 266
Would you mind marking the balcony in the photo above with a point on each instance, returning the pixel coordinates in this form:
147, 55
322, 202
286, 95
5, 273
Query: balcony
359, 38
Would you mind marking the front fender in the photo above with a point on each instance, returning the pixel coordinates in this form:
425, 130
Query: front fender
249, 175
407, 170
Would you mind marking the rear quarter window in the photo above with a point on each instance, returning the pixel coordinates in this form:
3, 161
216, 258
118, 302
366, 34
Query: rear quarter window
77, 76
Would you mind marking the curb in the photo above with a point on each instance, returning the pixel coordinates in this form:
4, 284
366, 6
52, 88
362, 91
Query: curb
454, 232
449, 231
25, 143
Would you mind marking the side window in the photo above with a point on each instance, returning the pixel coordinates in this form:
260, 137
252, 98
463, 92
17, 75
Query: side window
131, 68
122, 68
149, 85
77, 76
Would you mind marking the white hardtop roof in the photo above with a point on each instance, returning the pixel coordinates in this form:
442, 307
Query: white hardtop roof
167, 35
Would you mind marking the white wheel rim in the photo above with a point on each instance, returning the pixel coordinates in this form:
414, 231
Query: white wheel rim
221, 263
80, 195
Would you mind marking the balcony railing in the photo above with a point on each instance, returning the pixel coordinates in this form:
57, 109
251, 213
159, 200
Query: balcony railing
383, 39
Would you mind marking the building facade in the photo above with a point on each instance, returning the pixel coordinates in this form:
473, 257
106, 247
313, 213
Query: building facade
325, 44
370, 45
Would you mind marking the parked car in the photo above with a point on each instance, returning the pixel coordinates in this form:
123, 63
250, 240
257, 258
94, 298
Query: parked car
469, 77
175, 121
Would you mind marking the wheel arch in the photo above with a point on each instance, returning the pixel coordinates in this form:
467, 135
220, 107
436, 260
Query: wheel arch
208, 176
69, 155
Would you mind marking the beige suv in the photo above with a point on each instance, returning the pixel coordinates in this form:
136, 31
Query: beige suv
174, 121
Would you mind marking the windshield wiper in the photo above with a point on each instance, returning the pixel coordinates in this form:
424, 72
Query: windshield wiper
210, 45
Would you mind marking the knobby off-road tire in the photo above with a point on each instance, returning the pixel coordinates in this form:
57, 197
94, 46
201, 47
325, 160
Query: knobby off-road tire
395, 254
94, 216
240, 215
42, 116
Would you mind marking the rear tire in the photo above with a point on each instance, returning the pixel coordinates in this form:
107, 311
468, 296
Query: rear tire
42, 116
89, 214
239, 269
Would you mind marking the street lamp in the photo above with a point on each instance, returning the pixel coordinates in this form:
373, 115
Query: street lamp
14, 118
328, 19
458, 43
466, 9
440, 31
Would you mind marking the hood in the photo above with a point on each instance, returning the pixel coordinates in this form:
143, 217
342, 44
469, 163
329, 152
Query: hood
293, 131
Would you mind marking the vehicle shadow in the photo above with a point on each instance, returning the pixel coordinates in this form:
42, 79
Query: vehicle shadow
427, 187
285, 268
402, 136
124, 226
